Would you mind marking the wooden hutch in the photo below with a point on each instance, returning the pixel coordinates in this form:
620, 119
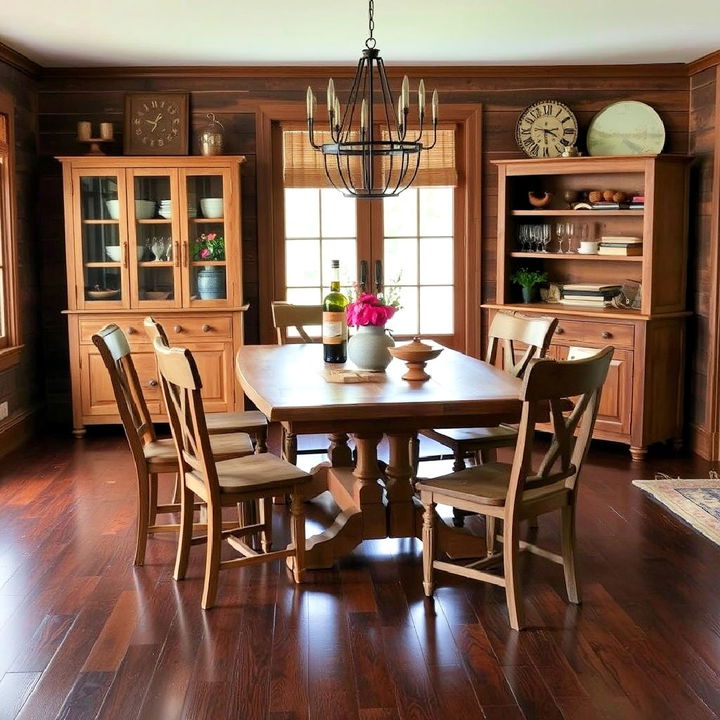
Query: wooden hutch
131, 224
643, 398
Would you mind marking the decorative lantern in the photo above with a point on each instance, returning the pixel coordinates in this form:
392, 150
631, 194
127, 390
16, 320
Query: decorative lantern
211, 138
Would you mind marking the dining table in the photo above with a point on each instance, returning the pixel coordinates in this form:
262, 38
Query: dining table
289, 384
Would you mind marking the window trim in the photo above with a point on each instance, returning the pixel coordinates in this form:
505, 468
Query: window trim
11, 350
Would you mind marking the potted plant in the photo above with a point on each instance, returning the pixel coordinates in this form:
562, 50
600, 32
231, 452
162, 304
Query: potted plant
528, 280
368, 313
211, 279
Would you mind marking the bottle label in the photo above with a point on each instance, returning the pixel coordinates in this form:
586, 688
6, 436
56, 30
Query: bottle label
334, 328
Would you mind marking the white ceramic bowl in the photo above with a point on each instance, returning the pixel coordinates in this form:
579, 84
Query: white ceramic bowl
113, 208
113, 252
167, 214
144, 209
211, 207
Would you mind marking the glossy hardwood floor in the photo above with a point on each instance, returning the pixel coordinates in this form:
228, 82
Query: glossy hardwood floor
83, 634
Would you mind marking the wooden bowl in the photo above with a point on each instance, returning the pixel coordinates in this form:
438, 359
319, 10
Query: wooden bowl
157, 294
415, 355
102, 294
538, 200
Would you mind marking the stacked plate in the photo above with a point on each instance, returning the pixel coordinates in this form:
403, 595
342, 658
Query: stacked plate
165, 209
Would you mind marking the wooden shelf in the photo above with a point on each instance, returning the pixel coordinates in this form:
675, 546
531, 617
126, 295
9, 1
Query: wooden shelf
576, 256
101, 222
102, 264
577, 213
207, 220
561, 309
154, 221
197, 263
155, 263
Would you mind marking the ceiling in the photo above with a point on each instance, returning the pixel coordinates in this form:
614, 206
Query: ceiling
281, 32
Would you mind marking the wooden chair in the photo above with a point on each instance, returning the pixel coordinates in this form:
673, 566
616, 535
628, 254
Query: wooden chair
517, 492
506, 330
285, 316
223, 483
252, 422
151, 455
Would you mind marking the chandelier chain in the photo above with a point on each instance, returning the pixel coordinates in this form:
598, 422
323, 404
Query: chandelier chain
370, 42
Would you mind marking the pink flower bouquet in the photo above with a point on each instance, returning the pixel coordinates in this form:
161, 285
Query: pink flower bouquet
209, 246
368, 309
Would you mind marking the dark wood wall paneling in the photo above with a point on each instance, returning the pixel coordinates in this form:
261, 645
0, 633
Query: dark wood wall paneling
233, 96
22, 384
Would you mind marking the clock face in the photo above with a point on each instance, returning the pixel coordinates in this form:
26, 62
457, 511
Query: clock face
156, 124
546, 128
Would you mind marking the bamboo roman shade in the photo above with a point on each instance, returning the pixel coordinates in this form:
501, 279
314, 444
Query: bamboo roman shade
303, 167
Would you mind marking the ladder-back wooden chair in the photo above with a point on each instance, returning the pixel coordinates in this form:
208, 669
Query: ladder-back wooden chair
223, 483
517, 492
252, 422
151, 455
508, 332
299, 317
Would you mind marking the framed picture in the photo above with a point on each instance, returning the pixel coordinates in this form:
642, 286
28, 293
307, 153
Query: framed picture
156, 123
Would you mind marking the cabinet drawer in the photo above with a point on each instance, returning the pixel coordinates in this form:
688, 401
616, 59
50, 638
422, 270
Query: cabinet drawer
594, 332
202, 327
132, 326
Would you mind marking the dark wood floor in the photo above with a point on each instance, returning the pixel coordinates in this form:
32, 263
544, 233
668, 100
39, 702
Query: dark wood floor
83, 634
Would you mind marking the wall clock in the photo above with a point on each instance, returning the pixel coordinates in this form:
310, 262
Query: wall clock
546, 128
626, 128
156, 123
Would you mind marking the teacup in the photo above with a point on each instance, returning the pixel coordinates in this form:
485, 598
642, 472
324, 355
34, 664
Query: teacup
589, 247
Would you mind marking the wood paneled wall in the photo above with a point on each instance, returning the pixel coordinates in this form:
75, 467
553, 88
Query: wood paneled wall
21, 385
233, 94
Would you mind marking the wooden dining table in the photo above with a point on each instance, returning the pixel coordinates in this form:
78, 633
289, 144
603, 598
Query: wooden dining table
288, 384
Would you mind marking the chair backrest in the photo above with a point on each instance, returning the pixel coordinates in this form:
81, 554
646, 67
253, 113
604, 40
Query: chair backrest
181, 386
551, 383
115, 353
507, 329
286, 315
154, 329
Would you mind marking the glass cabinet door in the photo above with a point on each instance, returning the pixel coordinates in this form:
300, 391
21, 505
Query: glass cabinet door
211, 241
153, 224
103, 257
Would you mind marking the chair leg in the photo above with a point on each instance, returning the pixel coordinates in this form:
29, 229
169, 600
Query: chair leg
298, 534
490, 533
483, 457
290, 446
212, 557
176, 489
511, 552
428, 539
152, 498
414, 454
459, 462
568, 553
261, 440
266, 518
143, 517
187, 499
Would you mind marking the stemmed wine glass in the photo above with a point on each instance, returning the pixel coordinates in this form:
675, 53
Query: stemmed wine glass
560, 234
524, 237
570, 231
545, 237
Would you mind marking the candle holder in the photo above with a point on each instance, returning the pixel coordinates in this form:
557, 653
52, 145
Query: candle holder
84, 135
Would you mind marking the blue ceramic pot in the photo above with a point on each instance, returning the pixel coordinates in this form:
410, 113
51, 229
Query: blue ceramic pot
211, 283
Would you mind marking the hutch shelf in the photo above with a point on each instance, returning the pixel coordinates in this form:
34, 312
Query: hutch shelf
643, 397
132, 226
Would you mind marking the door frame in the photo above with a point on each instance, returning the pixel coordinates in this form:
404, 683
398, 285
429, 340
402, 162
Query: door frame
468, 117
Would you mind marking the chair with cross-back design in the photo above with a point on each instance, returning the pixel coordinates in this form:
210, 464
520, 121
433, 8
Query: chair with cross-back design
221, 484
519, 339
517, 492
151, 455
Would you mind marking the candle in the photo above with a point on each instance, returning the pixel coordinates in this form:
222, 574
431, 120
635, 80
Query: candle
331, 95
401, 117
421, 99
106, 131
405, 93
363, 115
84, 130
310, 100
434, 106
337, 112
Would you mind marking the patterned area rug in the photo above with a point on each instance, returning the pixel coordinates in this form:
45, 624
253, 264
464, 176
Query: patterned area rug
697, 502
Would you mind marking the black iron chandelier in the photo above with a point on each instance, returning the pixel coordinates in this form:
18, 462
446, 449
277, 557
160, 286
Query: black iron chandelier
370, 155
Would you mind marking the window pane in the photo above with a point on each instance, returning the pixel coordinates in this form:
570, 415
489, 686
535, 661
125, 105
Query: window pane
304, 296
302, 262
436, 261
338, 214
436, 211
302, 213
344, 251
401, 262
436, 310
400, 214
405, 321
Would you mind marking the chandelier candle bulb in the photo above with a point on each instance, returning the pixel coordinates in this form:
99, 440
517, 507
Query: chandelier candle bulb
363, 115
405, 93
435, 106
421, 99
310, 103
337, 113
331, 95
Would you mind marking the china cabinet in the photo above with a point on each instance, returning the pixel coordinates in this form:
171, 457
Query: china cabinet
160, 236
643, 397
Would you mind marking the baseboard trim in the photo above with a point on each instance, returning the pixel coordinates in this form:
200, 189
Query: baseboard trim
18, 430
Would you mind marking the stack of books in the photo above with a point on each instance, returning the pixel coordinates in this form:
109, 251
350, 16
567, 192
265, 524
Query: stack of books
589, 294
611, 206
620, 245
637, 202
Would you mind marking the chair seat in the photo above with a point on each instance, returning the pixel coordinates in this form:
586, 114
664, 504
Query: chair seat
496, 436
228, 422
483, 484
255, 473
161, 455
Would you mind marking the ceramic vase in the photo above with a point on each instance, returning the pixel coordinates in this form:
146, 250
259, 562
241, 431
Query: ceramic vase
528, 294
368, 348
211, 283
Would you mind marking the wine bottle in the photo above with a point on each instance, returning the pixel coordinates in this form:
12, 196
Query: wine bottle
335, 333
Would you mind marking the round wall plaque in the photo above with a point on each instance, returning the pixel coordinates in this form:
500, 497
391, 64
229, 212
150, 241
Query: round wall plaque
626, 128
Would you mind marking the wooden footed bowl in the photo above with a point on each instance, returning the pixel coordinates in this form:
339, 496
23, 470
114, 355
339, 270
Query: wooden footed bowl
415, 355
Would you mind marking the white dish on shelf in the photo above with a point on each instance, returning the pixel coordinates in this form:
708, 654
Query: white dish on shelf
113, 208
211, 207
113, 252
144, 209
165, 213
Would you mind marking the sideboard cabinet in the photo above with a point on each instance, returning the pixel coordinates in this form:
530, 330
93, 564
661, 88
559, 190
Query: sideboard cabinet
153, 236
642, 400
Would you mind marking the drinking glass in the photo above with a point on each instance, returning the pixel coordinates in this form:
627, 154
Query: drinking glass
570, 231
545, 237
524, 237
560, 234
582, 235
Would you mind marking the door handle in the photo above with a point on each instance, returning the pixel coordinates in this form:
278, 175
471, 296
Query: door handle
378, 276
363, 274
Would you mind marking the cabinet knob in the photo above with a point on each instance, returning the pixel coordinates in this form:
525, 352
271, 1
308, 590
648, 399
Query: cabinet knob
206, 328
605, 335
152, 382
559, 331
178, 329
131, 331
